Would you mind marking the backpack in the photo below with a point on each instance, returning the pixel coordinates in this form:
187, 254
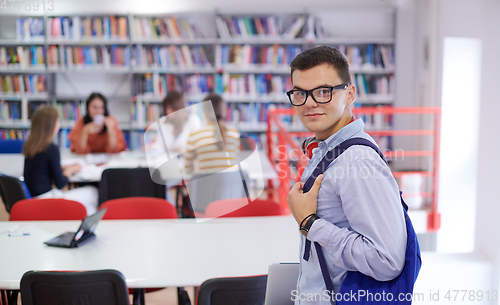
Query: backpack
358, 288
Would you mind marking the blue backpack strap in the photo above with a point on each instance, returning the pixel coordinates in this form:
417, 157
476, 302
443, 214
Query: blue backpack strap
323, 164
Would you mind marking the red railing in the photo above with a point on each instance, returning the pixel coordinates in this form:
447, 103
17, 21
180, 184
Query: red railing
276, 131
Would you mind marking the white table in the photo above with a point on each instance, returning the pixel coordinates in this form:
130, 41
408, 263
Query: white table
155, 253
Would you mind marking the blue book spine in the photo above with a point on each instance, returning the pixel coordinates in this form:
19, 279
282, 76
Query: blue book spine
127, 56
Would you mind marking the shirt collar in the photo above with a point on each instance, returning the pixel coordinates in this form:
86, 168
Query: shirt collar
344, 133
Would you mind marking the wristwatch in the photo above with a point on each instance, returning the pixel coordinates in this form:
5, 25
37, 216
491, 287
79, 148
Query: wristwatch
305, 229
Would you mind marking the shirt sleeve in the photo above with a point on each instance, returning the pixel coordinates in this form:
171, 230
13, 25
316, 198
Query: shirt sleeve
376, 243
121, 144
74, 136
55, 169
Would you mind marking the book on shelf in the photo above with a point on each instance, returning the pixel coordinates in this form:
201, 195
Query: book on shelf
92, 57
251, 27
10, 111
30, 29
151, 113
69, 111
376, 121
369, 56
167, 28
13, 134
78, 28
254, 115
22, 57
22, 84
182, 57
252, 85
134, 139
294, 28
370, 86
156, 85
231, 56
33, 106
62, 140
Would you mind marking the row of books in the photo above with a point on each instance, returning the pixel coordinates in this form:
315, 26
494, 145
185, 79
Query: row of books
70, 111
376, 121
30, 28
20, 84
248, 27
163, 28
13, 134
371, 84
151, 112
369, 56
170, 57
10, 111
157, 85
252, 84
254, 113
245, 55
21, 57
88, 28
101, 57
134, 139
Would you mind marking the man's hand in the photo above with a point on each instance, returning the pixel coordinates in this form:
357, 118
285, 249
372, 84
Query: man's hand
302, 204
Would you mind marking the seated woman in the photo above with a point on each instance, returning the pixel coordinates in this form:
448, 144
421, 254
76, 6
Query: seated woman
212, 159
42, 163
176, 125
97, 131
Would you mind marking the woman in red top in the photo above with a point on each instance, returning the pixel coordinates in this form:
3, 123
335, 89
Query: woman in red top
97, 131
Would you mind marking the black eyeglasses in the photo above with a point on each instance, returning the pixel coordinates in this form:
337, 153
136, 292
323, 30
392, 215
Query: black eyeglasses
320, 95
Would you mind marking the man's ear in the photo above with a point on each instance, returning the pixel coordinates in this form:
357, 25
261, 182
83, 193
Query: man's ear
351, 94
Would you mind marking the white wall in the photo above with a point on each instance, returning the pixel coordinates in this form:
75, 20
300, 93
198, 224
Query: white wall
481, 19
459, 120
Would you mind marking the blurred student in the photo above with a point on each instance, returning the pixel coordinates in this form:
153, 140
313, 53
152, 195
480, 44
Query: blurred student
210, 150
176, 125
97, 131
42, 163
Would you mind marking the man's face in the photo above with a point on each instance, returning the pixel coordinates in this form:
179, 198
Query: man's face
322, 119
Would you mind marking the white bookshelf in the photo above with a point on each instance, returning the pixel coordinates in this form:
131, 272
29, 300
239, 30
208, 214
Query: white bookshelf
71, 83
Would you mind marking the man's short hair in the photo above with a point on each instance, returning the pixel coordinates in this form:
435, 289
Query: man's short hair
322, 55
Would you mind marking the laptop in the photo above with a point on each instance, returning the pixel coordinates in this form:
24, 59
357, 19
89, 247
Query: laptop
84, 233
281, 281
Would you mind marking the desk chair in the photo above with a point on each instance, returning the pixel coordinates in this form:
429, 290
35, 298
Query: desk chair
12, 190
47, 209
128, 182
206, 188
232, 291
239, 207
11, 146
98, 287
139, 208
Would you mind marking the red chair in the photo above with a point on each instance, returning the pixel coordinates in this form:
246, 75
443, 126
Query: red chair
138, 208
47, 209
239, 207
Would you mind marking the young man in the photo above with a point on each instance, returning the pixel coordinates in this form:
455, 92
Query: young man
360, 224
